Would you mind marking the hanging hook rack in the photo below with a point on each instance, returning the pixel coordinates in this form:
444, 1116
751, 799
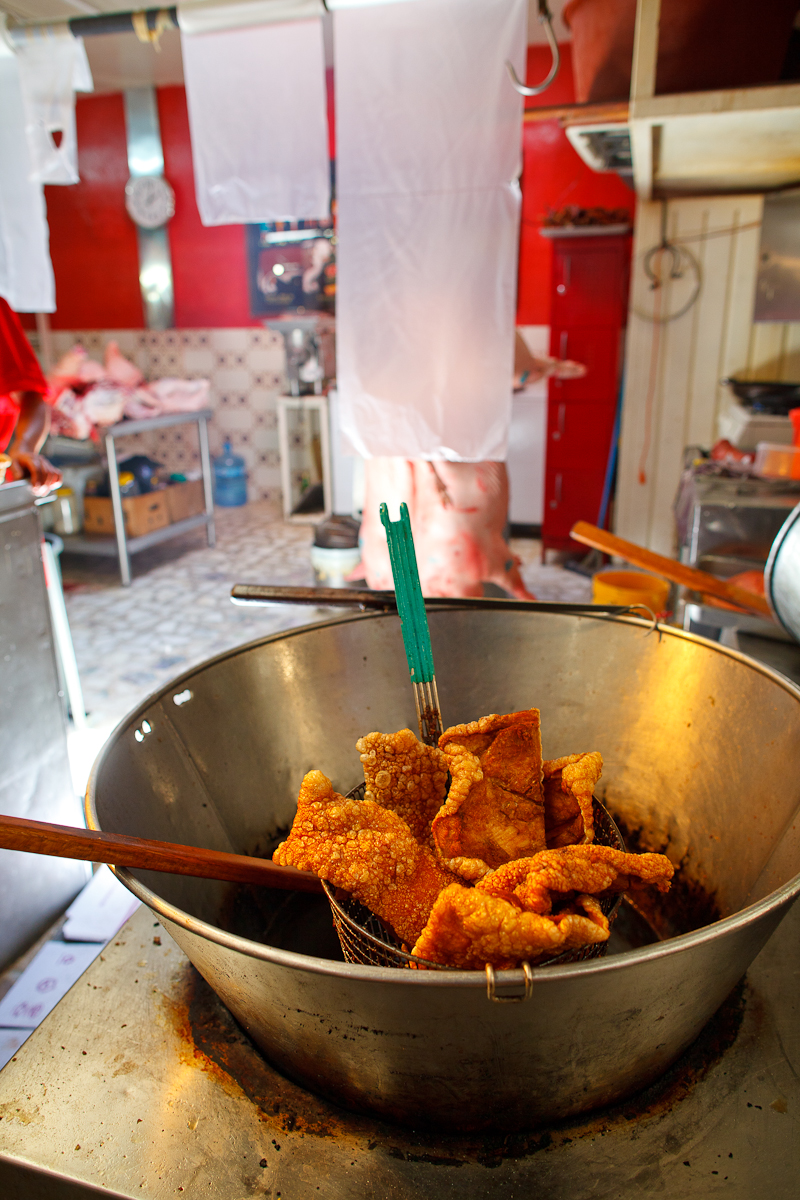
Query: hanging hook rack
150, 19
546, 17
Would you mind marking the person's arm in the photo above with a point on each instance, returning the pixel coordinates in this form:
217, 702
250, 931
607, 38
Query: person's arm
530, 368
32, 428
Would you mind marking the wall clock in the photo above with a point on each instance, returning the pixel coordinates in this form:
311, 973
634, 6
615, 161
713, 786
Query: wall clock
150, 200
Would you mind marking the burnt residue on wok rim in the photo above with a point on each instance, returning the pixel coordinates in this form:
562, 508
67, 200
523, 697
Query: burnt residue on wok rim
215, 1042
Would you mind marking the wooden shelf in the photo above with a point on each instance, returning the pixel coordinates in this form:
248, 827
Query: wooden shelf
606, 112
735, 141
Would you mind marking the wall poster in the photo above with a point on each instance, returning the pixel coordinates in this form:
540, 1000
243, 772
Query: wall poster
291, 267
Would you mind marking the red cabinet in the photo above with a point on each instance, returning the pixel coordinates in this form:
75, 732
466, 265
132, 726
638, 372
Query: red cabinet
590, 300
588, 286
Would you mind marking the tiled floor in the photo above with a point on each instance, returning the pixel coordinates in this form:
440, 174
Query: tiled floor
177, 612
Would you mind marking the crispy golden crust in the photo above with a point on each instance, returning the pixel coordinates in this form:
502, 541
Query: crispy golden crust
494, 810
569, 784
596, 870
366, 849
469, 928
405, 775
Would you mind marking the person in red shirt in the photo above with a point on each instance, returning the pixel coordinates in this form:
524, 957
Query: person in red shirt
24, 409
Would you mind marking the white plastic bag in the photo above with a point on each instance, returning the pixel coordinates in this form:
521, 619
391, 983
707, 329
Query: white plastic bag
180, 395
104, 404
428, 153
26, 273
53, 66
258, 120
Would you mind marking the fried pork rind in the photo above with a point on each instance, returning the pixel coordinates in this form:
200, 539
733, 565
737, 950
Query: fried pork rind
494, 810
596, 870
405, 775
469, 928
535, 907
568, 786
367, 850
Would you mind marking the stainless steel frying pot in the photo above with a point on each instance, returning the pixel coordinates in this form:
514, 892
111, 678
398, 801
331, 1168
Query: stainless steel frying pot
702, 752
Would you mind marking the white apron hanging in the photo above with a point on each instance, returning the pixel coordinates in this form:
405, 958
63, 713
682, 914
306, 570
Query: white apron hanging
257, 115
428, 154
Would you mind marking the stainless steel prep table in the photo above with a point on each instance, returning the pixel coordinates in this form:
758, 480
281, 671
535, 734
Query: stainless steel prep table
140, 1084
35, 779
122, 546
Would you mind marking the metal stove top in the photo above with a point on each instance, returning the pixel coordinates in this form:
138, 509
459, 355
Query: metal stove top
141, 1084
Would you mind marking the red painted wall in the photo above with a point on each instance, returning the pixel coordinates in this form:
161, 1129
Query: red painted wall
93, 241
553, 176
209, 270
92, 238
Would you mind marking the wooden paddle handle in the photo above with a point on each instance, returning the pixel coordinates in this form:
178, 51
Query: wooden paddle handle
63, 841
675, 572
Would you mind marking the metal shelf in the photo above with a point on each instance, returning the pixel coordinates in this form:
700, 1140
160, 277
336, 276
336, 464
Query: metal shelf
147, 424
121, 545
107, 546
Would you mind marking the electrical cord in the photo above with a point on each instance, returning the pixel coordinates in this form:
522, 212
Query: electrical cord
710, 233
680, 260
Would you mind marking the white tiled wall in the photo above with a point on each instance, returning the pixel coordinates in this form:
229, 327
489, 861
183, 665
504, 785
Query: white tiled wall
247, 372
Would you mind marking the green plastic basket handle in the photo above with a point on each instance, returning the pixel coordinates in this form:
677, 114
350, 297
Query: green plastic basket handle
410, 604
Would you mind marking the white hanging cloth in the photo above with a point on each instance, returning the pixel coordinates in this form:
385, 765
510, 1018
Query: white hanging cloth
52, 67
428, 130
257, 116
26, 273
236, 14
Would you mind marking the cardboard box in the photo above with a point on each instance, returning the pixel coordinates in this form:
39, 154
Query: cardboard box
185, 500
142, 514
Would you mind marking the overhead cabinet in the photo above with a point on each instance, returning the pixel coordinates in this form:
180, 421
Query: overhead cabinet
728, 140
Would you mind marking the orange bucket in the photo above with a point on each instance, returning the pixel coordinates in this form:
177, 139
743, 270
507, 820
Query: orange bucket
630, 587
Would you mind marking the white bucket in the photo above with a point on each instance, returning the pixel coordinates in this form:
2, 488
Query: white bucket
331, 566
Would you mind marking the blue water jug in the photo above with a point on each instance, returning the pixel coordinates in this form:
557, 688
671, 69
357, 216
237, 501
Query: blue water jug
230, 479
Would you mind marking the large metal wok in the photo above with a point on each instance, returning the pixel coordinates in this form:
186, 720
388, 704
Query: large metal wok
702, 753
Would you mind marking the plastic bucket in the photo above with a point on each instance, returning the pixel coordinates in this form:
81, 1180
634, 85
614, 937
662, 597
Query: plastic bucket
630, 587
332, 566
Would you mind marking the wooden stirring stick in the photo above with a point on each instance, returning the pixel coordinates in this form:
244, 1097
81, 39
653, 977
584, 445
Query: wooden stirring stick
63, 841
690, 577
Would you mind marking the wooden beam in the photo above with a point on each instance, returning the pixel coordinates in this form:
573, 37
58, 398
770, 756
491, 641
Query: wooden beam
645, 50
580, 114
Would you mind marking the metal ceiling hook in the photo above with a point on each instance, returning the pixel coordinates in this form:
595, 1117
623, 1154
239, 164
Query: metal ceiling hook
546, 17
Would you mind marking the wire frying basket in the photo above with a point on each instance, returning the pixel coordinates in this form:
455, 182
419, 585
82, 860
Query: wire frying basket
367, 941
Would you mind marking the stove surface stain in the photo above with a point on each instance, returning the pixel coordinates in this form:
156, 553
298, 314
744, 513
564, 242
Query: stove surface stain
215, 1043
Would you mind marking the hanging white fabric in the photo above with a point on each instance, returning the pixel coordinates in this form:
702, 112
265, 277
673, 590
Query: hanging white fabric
26, 274
428, 133
52, 67
238, 14
258, 121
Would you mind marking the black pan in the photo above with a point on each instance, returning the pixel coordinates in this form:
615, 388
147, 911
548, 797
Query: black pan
766, 395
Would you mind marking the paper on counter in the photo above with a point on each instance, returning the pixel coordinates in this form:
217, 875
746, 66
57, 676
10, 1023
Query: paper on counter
10, 1042
43, 982
101, 909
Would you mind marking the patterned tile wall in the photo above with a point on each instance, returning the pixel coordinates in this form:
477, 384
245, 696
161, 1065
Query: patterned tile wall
247, 369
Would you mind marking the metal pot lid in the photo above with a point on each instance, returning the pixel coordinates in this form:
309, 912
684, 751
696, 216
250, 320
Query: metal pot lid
783, 592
